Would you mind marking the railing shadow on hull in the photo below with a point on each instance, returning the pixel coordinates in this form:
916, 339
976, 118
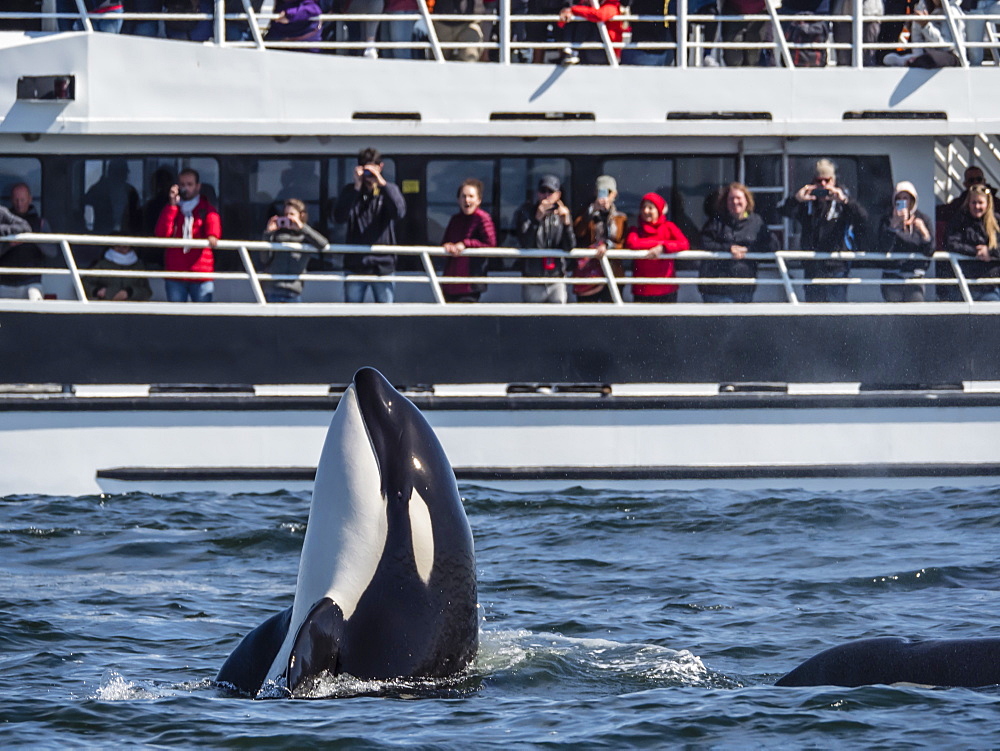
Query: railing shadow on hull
432, 279
689, 45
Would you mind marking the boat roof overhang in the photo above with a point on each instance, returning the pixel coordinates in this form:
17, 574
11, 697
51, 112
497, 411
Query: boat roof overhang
137, 86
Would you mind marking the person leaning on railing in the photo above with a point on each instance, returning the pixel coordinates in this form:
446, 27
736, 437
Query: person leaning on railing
290, 227
975, 232
905, 230
471, 227
11, 224
657, 236
575, 32
922, 29
735, 229
601, 227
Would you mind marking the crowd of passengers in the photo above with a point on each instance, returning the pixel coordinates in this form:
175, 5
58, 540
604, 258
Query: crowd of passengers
828, 219
296, 21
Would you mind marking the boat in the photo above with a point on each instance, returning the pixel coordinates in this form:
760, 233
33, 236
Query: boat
235, 394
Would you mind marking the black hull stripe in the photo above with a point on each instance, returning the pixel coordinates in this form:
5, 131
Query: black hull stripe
473, 474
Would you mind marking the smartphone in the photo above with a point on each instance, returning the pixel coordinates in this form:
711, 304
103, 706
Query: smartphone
820, 193
902, 204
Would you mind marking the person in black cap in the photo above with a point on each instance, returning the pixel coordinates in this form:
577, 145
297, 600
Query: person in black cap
544, 224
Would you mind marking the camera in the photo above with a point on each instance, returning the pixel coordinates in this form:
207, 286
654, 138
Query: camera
284, 222
820, 193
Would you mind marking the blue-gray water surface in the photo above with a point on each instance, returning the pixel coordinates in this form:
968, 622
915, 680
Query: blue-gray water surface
610, 619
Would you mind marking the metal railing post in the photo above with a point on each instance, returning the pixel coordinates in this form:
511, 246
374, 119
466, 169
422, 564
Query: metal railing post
681, 35
258, 291
432, 36
958, 37
963, 283
602, 30
84, 18
779, 34
609, 274
857, 34
786, 280
258, 38
73, 270
504, 33
432, 275
219, 22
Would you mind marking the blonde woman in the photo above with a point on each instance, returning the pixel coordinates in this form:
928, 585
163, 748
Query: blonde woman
975, 232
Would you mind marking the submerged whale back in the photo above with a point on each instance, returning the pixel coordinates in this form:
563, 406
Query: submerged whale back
943, 662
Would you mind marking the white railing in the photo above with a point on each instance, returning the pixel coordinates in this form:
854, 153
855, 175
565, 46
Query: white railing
431, 278
689, 46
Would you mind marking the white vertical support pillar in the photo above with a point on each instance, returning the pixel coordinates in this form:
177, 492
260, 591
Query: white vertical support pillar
425, 257
258, 292
681, 35
431, 33
857, 34
609, 274
84, 18
73, 270
258, 38
504, 32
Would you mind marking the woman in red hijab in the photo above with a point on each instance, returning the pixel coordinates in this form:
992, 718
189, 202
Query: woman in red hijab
657, 236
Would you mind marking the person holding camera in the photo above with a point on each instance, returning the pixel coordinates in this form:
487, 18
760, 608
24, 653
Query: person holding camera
829, 220
288, 227
545, 224
905, 230
370, 206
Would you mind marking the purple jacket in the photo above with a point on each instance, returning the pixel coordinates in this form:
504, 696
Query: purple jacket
301, 26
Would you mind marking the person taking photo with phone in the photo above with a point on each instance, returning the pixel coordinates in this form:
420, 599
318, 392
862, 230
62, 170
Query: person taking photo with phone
290, 226
905, 230
829, 221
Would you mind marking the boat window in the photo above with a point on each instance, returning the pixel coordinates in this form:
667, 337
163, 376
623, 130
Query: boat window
687, 183
519, 180
340, 172
271, 181
443, 178
16, 169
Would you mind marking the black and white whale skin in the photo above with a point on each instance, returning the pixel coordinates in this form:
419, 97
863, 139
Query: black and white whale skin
940, 662
387, 577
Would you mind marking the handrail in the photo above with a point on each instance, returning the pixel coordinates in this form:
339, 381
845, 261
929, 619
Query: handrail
682, 20
434, 279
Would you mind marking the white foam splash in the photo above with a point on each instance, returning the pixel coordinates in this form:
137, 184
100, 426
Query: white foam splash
114, 687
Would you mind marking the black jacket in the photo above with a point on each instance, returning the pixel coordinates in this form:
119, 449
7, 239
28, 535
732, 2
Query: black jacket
963, 235
825, 228
23, 256
370, 220
548, 234
719, 234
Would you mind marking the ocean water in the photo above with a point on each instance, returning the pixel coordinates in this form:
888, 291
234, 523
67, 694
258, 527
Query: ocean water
611, 619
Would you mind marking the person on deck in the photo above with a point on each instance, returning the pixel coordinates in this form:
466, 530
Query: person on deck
601, 227
189, 215
471, 227
829, 220
905, 230
118, 288
577, 33
657, 236
290, 227
735, 229
545, 224
975, 232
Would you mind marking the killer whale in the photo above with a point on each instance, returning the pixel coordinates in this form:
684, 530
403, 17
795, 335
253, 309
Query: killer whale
937, 662
386, 582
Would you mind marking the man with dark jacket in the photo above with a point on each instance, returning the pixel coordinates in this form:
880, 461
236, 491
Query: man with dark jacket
545, 224
829, 220
24, 255
370, 207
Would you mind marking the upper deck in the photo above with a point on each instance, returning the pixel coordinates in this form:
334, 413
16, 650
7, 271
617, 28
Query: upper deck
132, 86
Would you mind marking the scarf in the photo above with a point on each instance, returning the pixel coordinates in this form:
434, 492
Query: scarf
121, 259
187, 209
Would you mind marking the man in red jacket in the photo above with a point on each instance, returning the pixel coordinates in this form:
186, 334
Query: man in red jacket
188, 214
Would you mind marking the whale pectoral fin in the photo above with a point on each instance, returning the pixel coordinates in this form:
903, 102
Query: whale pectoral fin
247, 666
317, 645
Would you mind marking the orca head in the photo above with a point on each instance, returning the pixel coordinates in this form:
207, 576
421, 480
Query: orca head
384, 490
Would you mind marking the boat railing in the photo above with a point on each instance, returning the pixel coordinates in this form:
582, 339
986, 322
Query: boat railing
432, 278
690, 42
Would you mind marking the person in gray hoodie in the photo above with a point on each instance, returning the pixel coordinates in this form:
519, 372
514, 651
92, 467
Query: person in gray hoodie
290, 227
